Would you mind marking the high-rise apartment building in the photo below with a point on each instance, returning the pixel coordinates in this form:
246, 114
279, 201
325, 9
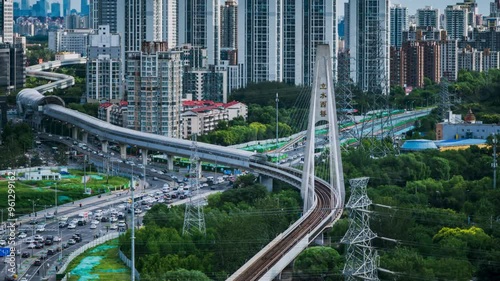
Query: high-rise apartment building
25, 5
449, 59
260, 40
428, 17
66, 7
13, 70
495, 9
154, 89
277, 39
199, 25
471, 8
456, 22
107, 12
170, 22
55, 10
418, 59
228, 27
7, 21
84, 7
369, 44
347, 22
104, 80
143, 22
399, 23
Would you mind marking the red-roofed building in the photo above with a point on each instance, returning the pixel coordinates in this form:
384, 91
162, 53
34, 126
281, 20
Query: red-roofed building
202, 117
115, 114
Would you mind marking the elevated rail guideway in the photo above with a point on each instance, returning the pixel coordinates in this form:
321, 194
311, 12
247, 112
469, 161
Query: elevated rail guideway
323, 201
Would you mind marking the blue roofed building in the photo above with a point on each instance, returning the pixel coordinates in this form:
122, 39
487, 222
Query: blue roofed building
469, 129
418, 145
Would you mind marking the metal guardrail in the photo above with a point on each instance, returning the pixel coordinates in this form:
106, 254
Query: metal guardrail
128, 262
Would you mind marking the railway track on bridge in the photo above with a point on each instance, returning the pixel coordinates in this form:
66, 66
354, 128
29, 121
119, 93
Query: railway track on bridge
321, 211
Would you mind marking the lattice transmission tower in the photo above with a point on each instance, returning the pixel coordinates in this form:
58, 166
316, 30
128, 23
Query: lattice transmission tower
345, 99
361, 257
194, 217
444, 105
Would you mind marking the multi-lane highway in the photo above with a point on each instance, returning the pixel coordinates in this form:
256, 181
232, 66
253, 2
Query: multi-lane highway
116, 203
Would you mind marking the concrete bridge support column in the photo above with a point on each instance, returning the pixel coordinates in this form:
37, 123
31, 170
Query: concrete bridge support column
85, 137
104, 145
198, 169
68, 127
123, 151
267, 182
144, 156
74, 133
170, 162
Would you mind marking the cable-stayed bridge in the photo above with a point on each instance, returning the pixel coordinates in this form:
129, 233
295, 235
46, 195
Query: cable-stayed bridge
323, 198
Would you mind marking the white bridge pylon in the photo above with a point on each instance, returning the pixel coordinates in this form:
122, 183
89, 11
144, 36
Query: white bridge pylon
323, 108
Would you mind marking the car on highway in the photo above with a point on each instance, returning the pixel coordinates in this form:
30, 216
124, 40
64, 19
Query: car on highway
71, 242
38, 238
71, 226
22, 235
25, 255
122, 224
50, 252
42, 255
39, 245
29, 240
93, 226
3, 242
37, 262
113, 227
63, 218
113, 219
49, 216
40, 228
32, 246
63, 224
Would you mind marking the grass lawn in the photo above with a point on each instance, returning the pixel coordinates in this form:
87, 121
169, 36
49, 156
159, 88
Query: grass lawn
99, 263
69, 188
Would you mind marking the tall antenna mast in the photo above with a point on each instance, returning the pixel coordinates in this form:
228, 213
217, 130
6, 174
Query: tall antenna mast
194, 217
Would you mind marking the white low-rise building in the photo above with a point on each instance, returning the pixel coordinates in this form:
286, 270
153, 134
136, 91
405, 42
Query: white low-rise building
202, 117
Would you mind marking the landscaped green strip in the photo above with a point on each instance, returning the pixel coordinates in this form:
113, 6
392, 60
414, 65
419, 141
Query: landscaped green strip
99, 263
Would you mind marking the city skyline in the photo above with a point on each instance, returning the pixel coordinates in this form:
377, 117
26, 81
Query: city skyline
483, 5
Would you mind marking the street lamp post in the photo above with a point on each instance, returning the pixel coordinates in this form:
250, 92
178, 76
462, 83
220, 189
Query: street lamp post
277, 136
55, 200
494, 164
132, 236
33, 212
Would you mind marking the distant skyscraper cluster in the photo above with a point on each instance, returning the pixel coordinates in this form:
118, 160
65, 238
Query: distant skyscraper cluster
431, 45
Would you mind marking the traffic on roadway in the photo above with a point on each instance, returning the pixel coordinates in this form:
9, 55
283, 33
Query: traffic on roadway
45, 239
